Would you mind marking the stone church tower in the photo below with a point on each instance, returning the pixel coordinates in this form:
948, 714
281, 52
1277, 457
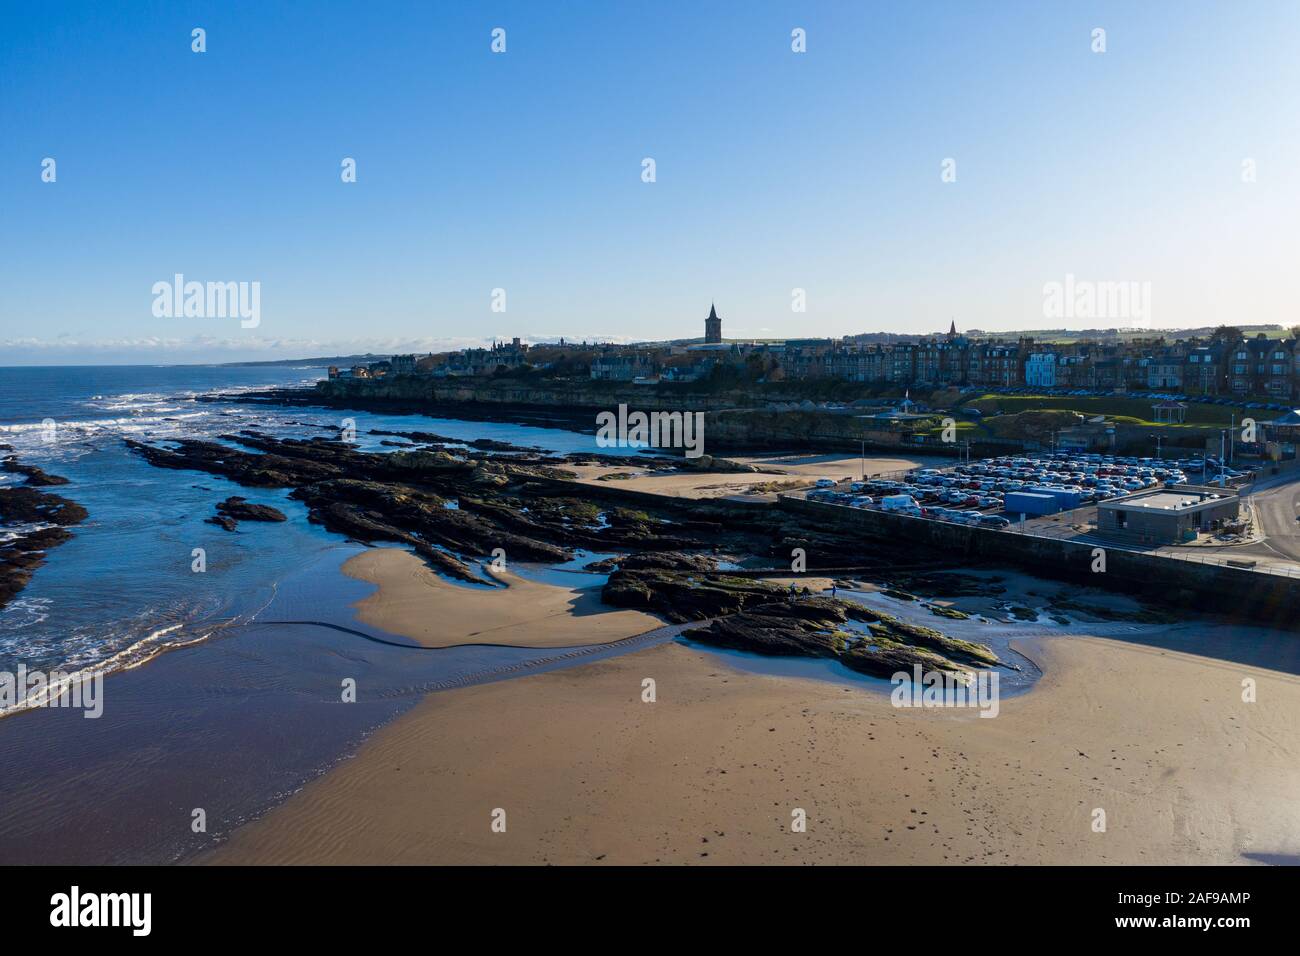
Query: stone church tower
712, 327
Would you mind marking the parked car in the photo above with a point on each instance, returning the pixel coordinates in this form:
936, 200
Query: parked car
905, 503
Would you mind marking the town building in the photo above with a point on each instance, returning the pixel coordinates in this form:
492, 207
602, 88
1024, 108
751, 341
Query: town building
1203, 370
1168, 516
1040, 369
622, 367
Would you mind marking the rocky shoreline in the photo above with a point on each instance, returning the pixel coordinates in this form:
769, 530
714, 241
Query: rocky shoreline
459, 507
38, 521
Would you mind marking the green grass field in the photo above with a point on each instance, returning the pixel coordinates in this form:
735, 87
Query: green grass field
1130, 411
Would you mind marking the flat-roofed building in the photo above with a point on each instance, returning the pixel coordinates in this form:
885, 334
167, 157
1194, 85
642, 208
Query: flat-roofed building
1167, 516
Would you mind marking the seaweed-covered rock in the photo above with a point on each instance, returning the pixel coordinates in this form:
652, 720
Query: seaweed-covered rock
773, 635
669, 561
684, 597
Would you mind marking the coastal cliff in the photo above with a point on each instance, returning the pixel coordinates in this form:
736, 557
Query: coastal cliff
557, 394
734, 419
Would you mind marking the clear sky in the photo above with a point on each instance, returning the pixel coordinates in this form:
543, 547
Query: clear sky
523, 171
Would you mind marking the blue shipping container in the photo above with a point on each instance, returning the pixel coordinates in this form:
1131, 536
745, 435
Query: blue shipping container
1031, 503
1065, 497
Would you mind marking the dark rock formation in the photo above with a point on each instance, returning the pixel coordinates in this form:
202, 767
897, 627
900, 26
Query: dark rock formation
446, 506
241, 509
455, 506
749, 615
814, 628
235, 509
35, 476
45, 517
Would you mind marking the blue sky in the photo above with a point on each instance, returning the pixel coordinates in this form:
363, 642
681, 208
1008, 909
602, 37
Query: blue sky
522, 170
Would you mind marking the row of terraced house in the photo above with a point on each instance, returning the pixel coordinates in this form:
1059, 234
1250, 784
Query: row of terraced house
1257, 366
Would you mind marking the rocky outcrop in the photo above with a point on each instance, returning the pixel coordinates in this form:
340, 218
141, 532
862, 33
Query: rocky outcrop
448, 506
241, 509
37, 521
749, 615
457, 506
235, 509
714, 463
480, 444
35, 476
815, 628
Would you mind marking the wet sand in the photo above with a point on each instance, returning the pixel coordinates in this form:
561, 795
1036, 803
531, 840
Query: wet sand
415, 602
587, 773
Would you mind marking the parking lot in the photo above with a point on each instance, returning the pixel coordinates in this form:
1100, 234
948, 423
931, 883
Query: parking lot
997, 492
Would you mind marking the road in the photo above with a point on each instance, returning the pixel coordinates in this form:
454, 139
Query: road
1275, 502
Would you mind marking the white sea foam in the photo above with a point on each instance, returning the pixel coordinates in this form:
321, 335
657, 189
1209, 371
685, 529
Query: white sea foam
24, 612
12, 532
80, 668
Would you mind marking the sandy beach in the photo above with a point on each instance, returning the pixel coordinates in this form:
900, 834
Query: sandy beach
839, 466
687, 484
416, 603
779, 472
712, 771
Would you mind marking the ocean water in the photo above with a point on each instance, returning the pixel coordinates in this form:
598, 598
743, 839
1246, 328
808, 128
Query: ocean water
123, 588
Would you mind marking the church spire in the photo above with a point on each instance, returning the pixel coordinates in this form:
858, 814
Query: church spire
713, 327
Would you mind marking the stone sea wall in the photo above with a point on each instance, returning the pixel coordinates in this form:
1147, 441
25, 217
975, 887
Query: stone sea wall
1267, 598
